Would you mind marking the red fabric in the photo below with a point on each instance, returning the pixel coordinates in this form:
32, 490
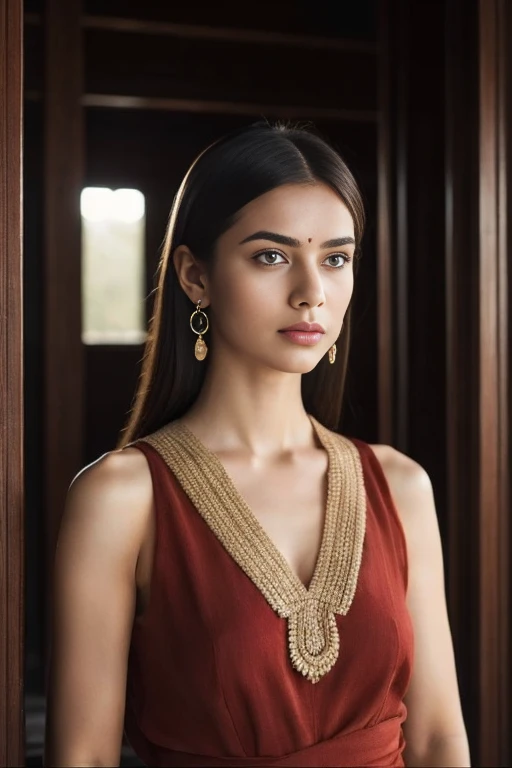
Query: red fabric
209, 677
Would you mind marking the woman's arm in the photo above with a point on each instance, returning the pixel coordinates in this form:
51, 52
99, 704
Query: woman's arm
434, 729
94, 594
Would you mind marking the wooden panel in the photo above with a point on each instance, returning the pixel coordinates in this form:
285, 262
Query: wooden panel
128, 64
232, 108
411, 279
12, 496
385, 347
160, 76
63, 441
478, 169
347, 19
462, 385
396, 84
504, 318
423, 289
449, 227
197, 31
494, 459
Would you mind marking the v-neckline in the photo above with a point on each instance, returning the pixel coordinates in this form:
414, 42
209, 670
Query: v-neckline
329, 508
313, 639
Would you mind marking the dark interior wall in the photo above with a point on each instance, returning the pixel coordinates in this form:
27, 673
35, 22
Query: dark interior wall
151, 149
417, 40
328, 18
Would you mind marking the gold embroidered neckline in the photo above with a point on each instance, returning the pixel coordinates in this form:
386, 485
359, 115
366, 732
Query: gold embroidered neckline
312, 631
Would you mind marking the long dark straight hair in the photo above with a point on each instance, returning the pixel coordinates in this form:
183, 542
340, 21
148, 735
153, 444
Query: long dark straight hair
226, 176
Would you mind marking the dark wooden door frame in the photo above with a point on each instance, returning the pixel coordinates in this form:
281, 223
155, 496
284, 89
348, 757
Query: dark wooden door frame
12, 741
63, 350
476, 111
495, 137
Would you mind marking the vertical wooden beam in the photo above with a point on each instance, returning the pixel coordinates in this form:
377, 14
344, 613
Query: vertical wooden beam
384, 235
478, 173
11, 387
392, 234
64, 406
402, 253
504, 317
473, 36
462, 334
493, 372
411, 298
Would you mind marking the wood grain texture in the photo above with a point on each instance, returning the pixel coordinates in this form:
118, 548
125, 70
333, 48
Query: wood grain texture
151, 66
462, 350
211, 107
447, 140
385, 345
11, 388
133, 64
63, 175
290, 17
504, 374
196, 31
493, 371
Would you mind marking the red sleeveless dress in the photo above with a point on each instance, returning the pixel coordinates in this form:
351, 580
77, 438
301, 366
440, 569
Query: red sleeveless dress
210, 681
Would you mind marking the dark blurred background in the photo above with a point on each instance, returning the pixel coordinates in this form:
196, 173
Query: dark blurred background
124, 95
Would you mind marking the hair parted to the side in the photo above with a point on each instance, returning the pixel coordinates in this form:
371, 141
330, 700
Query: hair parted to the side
224, 178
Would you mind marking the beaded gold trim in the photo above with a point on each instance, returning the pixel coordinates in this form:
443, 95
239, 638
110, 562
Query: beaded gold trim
313, 637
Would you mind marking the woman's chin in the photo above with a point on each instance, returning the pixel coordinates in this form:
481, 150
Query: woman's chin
298, 366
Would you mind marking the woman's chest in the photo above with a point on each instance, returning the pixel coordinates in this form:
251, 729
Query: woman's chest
289, 502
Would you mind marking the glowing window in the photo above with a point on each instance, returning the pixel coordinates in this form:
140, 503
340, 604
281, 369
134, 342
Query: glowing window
113, 266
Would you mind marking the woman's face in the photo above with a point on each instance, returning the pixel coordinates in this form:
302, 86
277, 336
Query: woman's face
287, 259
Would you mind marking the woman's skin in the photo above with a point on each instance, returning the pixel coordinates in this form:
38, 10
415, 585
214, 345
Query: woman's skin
250, 413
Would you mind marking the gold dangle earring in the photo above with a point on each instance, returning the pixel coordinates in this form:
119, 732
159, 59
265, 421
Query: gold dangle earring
199, 319
332, 351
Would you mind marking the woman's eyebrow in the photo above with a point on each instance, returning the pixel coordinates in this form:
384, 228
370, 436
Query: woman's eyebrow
337, 241
273, 237
292, 242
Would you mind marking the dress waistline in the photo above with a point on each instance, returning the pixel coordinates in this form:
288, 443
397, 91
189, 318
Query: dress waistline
378, 745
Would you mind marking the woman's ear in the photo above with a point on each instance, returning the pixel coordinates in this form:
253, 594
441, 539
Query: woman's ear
191, 274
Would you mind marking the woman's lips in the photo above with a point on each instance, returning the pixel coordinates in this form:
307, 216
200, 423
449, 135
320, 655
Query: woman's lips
303, 337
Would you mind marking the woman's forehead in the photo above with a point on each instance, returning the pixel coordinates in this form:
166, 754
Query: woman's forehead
305, 212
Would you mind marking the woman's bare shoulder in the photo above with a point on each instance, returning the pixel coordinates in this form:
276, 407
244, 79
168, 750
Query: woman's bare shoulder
114, 493
94, 600
411, 490
399, 468
118, 475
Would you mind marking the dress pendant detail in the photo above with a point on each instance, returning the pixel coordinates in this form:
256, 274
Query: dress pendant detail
313, 639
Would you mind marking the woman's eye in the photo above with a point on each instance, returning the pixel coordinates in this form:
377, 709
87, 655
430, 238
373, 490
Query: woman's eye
271, 255
271, 258
343, 256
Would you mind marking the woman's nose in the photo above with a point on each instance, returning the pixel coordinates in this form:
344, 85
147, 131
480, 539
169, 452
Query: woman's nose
308, 288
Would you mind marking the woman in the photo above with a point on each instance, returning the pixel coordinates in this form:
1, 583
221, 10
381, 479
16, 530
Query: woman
238, 583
